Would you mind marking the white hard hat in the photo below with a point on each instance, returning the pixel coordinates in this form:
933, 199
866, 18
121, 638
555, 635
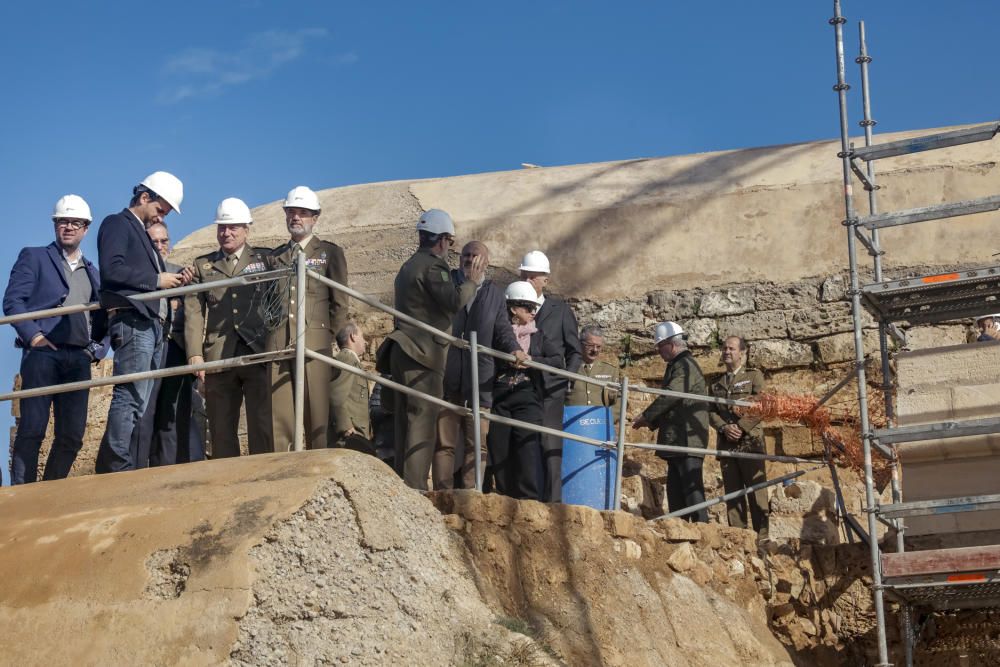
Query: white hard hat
302, 197
233, 211
72, 206
521, 290
167, 187
667, 330
535, 261
436, 221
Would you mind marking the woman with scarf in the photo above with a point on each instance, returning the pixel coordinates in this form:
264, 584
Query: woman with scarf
515, 453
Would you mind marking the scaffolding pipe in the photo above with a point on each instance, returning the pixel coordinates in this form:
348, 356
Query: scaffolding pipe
719, 453
147, 296
208, 367
300, 350
731, 496
620, 458
855, 293
477, 431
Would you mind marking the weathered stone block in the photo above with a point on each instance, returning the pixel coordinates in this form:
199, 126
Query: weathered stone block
701, 331
795, 296
928, 337
803, 497
670, 305
834, 288
824, 320
773, 354
840, 347
612, 313
683, 558
815, 529
923, 405
799, 441
679, 530
959, 364
754, 326
728, 302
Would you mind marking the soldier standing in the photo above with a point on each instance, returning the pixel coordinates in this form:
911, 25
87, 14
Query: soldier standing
326, 313
425, 291
742, 434
224, 323
583, 393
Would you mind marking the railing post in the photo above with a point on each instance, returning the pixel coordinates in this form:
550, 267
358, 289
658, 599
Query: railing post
300, 351
477, 431
620, 463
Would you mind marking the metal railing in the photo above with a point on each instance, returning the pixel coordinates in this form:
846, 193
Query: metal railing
300, 353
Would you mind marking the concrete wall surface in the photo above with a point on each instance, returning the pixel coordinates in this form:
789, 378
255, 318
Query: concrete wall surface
625, 228
954, 383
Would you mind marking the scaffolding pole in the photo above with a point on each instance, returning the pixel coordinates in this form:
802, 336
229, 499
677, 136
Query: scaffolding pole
845, 154
299, 331
477, 430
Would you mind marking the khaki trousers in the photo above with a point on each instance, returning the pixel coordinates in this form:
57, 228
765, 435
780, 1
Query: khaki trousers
317, 403
738, 474
224, 394
415, 418
454, 430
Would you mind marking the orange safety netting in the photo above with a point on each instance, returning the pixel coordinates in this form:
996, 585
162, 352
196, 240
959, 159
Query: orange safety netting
840, 430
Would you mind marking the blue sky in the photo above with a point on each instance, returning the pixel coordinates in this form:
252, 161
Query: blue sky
249, 98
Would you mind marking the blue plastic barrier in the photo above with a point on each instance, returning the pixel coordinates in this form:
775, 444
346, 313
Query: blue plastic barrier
588, 472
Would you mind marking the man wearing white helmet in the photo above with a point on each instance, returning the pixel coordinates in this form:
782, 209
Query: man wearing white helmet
556, 320
425, 291
681, 422
131, 266
226, 323
988, 327
326, 314
55, 350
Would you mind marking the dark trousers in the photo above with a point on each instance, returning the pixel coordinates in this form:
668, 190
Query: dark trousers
515, 454
41, 367
225, 393
176, 438
552, 408
685, 486
738, 474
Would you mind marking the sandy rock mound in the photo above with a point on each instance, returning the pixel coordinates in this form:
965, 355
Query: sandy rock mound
317, 557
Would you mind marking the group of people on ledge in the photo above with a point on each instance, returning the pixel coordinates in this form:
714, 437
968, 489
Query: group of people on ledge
155, 421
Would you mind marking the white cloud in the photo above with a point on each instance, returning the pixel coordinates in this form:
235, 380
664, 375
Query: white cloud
348, 58
196, 72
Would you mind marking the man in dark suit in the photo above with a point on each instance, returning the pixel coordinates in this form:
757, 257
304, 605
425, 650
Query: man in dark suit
166, 433
130, 266
55, 350
557, 322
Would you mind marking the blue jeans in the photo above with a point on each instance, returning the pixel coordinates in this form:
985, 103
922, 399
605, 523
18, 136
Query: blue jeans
137, 342
42, 367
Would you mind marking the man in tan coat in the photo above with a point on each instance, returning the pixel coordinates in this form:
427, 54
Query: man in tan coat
225, 323
326, 313
582, 393
425, 291
349, 394
742, 434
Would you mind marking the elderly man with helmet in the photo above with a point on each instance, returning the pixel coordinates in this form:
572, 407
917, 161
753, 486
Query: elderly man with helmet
416, 358
131, 266
54, 350
326, 314
225, 323
556, 319
518, 393
679, 421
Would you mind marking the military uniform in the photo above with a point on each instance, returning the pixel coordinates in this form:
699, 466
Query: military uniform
349, 406
326, 313
425, 291
682, 422
738, 474
583, 393
224, 323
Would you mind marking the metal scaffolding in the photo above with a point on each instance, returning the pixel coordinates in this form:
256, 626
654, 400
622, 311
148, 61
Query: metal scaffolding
958, 578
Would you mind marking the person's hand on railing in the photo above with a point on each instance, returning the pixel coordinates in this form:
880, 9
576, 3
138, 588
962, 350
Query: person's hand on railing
640, 422
197, 359
41, 341
476, 270
732, 432
169, 280
520, 356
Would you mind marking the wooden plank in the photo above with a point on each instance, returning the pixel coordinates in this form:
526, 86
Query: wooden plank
941, 561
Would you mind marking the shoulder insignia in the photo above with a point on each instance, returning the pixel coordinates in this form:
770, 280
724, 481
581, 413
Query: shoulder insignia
323, 255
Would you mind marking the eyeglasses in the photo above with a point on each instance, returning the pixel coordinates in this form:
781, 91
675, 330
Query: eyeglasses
71, 224
160, 241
